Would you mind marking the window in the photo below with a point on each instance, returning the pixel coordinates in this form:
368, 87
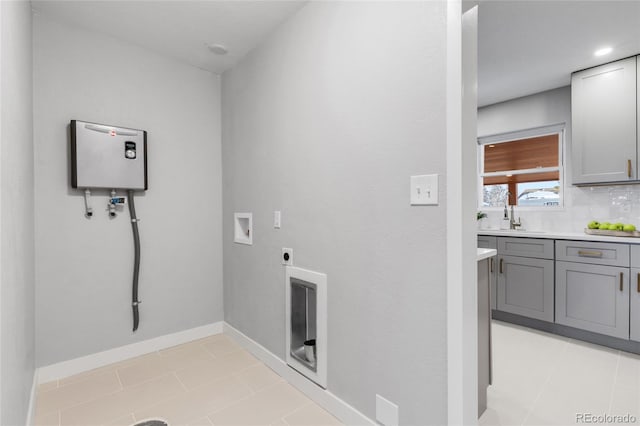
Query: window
521, 168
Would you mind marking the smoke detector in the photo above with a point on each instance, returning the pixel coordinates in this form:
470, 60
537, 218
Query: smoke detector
218, 49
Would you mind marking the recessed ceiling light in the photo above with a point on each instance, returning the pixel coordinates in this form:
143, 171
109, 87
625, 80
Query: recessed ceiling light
218, 49
603, 51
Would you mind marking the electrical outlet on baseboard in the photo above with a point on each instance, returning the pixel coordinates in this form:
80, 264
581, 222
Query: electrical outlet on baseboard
386, 412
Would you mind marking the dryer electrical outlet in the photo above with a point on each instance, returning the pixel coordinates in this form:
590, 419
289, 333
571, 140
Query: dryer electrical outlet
108, 157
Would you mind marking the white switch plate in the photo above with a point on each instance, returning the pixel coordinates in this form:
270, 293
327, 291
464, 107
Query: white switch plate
276, 219
424, 190
386, 412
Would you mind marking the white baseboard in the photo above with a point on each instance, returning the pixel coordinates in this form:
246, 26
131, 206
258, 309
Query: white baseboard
340, 409
89, 362
31, 411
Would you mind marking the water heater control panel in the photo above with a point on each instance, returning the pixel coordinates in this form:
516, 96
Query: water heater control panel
108, 157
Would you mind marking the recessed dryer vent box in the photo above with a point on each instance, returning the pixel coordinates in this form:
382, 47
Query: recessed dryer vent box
108, 157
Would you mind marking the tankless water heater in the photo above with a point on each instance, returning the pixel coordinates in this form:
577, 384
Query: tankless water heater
108, 157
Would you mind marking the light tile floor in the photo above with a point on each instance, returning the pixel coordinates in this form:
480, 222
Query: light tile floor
211, 381
544, 379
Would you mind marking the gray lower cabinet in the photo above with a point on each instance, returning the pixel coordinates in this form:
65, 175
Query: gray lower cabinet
525, 286
634, 305
491, 243
484, 334
593, 298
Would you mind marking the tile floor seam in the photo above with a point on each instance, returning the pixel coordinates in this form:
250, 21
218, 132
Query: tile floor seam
267, 387
180, 381
119, 380
543, 387
295, 411
60, 409
164, 374
100, 397
235, 402
615, 380
77, 382
143, 407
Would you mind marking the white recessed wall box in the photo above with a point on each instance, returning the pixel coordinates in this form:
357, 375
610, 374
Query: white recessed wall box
243, 228
108, 157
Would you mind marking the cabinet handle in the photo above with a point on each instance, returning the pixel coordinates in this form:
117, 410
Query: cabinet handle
501, 263
638, 289
589, 253
621, 278
491, 270
629, 168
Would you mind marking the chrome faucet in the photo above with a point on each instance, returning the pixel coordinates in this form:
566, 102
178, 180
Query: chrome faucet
512, 222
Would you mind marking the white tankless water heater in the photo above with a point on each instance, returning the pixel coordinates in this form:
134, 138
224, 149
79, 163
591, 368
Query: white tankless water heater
108, 157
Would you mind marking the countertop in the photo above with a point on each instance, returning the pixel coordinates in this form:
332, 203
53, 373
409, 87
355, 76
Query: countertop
484, 253
580, 236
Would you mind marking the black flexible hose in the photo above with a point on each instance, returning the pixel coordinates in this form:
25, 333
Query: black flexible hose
136, 262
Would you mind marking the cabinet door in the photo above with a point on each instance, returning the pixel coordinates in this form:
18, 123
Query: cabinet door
525, 286
603, 113
634, 305
493, 285
593, 298
485, 241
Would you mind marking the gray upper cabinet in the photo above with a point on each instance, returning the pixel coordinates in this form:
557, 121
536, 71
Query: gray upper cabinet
593, 298
525, 286
603, 111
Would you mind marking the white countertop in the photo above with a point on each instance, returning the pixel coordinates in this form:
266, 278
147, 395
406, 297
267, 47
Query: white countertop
485, 253
558, 236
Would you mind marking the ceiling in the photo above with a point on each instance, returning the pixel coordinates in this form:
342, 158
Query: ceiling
526, 47
179, 29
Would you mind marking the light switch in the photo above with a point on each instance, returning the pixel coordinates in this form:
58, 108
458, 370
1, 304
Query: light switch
424, 190
276, 219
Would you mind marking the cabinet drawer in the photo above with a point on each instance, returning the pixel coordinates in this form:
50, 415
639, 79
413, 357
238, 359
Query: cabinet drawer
635, 256
612, 254
527, 247
487, 241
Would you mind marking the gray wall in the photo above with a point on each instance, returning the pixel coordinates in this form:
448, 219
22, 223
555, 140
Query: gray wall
84, 267
16, 214
581, 204
326, 121
541, 109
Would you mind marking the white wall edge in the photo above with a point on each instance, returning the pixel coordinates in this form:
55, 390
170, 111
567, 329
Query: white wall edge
455, 335
330, 402
31, 411
89, 362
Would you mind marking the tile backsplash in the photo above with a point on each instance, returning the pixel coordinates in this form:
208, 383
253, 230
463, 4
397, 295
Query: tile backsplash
616, 203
